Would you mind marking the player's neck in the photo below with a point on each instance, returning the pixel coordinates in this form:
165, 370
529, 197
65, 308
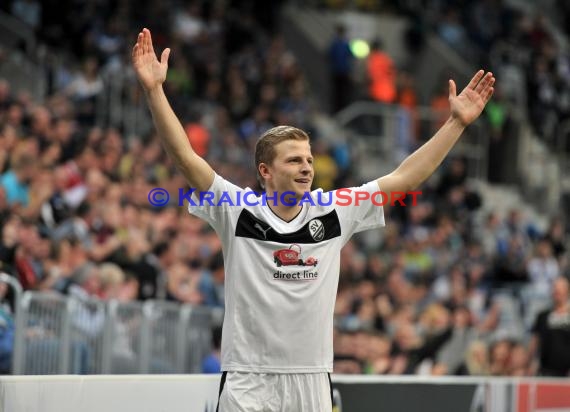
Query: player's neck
284, 212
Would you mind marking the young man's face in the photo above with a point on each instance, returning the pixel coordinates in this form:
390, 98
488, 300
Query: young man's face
292, 168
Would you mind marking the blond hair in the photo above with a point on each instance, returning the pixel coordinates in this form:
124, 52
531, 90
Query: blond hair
265, 146
111, 275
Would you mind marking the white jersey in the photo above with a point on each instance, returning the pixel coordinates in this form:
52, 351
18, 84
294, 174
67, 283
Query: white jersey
281, 277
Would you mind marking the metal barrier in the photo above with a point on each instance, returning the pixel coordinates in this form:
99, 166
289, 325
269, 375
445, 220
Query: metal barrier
390, 132
162, 326
44, 334
121, 104
87, 318
58, 334
199, 336
123, 338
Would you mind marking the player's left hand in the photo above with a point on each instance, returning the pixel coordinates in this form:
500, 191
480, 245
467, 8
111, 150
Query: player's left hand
468, 105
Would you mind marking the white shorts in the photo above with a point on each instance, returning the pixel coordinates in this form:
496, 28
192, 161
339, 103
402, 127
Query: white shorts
269, 392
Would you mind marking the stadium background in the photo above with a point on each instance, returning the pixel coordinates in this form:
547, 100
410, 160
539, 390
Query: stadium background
111, 285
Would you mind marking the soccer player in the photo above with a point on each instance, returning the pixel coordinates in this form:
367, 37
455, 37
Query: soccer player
281, 252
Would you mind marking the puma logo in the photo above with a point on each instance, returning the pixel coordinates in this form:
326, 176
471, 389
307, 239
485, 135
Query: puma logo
258, 226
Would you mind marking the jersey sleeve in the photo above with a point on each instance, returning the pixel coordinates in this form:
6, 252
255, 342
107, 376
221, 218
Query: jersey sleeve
218, 204
359, 208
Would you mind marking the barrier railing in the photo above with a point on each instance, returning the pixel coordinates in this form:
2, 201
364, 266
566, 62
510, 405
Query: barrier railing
121, 104
391, 132
58, 334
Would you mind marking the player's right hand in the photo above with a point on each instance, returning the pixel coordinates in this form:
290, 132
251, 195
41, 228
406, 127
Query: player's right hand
150, 71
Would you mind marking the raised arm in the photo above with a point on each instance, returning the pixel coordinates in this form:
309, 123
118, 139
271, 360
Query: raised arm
465, 108
151, 74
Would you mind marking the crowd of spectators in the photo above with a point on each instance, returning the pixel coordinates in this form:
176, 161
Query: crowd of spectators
525, 47
441, 290
522, 47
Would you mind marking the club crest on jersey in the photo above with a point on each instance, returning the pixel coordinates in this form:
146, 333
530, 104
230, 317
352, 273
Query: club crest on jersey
317, 229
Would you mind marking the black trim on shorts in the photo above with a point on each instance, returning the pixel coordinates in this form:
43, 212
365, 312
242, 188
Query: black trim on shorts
330, 384
222, 383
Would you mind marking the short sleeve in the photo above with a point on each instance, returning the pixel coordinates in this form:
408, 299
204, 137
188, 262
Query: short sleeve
217, 204
359, 208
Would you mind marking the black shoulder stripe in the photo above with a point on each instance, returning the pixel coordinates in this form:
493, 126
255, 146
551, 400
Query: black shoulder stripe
317, 230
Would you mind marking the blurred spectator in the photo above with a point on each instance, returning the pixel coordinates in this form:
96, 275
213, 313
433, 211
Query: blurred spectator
379, 360
112, 280
417, 262
28, 268
85, 281
382, 74
254, 126
455, 174
511, 264
84, 90
41, 126
476, 360
7, 332
543, 268
500, 351
212, 282
340, 63
325, 167
198, 136
499, 119
486, 22
556, 236
345, 361
439, 104
56, 209
450, 357
109, 40
407, 95
135, 257
162, 258
551, 333
16, 181
211, 363
411, 349
519, 361
188, 22
9, 242
183, 284
451, 30
88, 318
